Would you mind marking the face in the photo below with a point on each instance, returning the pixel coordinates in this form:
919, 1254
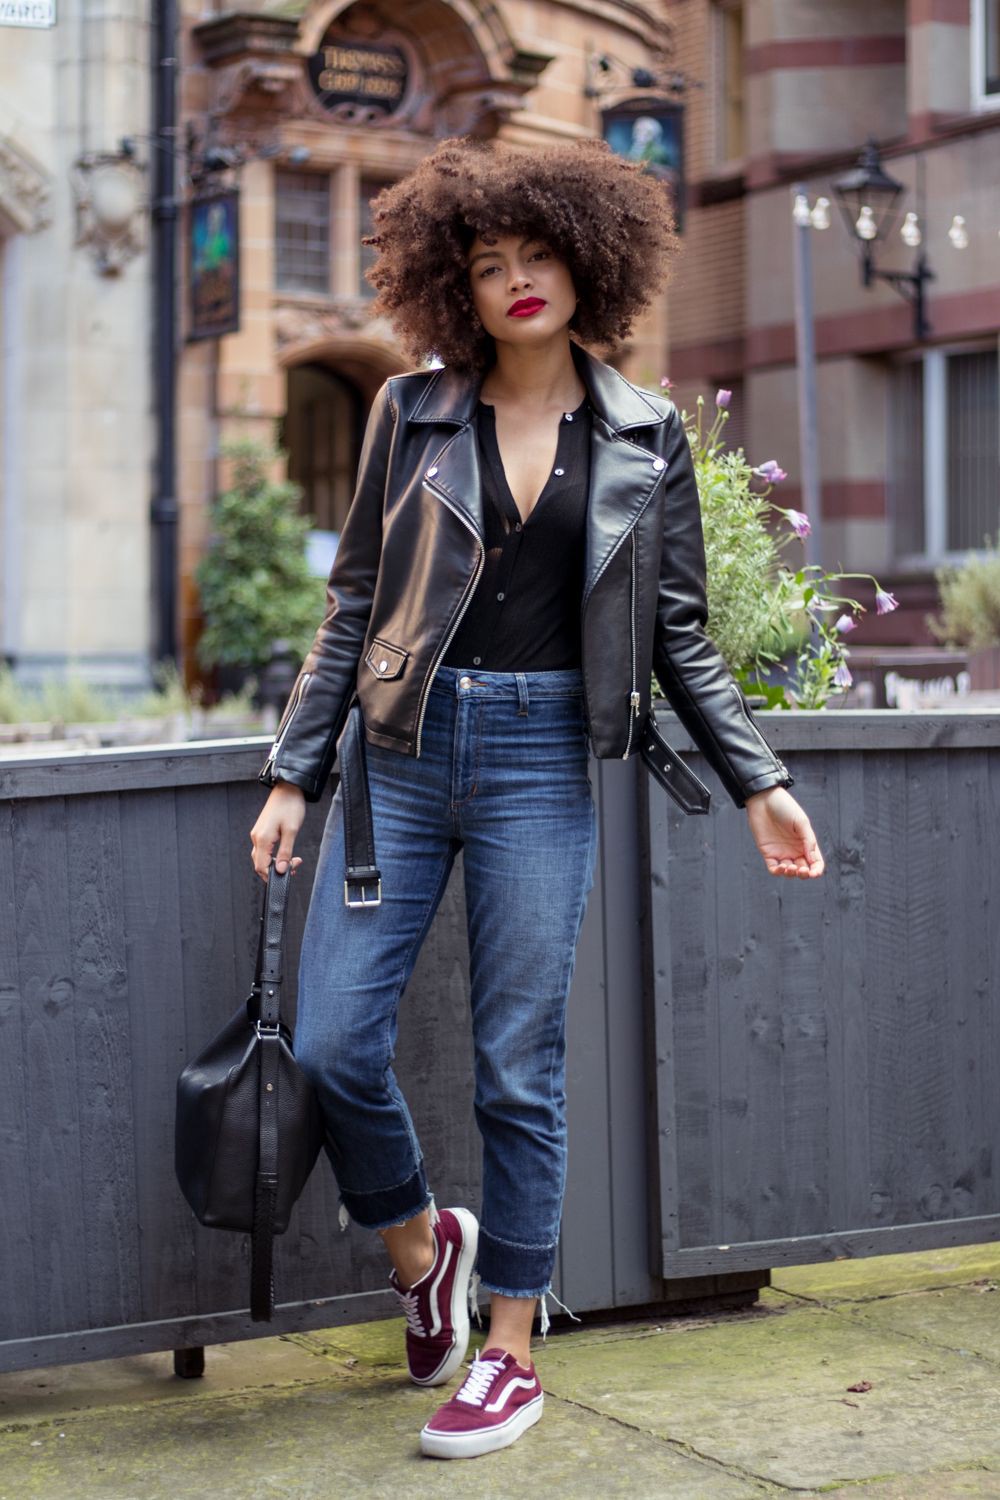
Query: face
512, 271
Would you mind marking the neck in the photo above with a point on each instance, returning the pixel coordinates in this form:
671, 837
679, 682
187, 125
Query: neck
543, 376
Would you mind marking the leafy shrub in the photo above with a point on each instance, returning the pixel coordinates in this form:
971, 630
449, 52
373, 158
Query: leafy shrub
254, 581
970, 602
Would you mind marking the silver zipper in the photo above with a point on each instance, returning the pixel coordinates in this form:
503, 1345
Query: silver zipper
469, 590
633, 697
753, 727
283, 728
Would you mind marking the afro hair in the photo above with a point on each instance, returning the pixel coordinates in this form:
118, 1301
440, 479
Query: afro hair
607, 218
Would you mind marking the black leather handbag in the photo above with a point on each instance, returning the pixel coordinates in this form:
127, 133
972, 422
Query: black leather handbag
248, 1126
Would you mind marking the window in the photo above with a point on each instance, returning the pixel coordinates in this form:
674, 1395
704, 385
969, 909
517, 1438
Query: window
986, 52
367, 189
302, 231
944, 452
728, 45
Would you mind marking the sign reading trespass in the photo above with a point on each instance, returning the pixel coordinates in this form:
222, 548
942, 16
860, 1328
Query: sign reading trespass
27, 12
357, 74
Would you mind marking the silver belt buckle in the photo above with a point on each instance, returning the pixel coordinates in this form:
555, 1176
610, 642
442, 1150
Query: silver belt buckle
364, 901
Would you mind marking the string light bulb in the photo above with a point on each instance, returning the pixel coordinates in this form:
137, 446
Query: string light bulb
958, 234
865, 224
820, 216
910, 233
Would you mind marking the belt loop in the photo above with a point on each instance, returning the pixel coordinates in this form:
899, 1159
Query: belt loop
522, 694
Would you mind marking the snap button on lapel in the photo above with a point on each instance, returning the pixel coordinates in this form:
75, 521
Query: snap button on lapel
658, 464
432, 471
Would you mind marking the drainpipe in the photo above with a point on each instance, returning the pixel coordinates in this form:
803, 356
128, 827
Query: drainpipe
163, 510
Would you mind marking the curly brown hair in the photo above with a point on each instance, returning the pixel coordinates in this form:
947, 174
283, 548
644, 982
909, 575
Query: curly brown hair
606, 217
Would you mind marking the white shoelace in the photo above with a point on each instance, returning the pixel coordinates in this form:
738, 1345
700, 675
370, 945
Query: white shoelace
408, 1302
481, 1376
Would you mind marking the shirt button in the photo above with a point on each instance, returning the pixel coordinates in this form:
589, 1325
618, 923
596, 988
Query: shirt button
569, 416
500, 595
517, 526
475, 662
432, 471
560, 471
658, 464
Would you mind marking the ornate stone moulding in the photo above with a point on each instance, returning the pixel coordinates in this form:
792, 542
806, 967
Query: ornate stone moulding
25, 190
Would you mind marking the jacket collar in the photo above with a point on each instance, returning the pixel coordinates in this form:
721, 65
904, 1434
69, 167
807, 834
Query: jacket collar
451, 396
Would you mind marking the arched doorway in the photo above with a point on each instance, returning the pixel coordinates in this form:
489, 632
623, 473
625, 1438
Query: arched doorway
321, 433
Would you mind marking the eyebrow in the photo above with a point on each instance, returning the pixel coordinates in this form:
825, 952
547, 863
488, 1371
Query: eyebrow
485, 254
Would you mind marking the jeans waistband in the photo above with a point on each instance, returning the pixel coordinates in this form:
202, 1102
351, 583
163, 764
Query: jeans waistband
464, 682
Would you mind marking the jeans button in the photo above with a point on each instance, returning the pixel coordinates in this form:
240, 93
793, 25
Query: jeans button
465, 682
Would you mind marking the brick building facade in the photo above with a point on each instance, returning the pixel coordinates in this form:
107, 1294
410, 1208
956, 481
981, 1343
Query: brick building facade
908, 429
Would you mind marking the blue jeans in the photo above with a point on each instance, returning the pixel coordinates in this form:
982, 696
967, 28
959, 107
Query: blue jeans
502, 775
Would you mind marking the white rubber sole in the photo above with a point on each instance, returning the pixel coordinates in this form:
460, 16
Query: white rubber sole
472, 1444
459, 1296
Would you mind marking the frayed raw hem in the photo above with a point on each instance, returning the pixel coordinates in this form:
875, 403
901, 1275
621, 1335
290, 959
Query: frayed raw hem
506, 1291
398, 1219
386, 1207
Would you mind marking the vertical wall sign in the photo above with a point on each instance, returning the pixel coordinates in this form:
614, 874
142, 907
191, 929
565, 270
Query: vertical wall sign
653, 132
214, 260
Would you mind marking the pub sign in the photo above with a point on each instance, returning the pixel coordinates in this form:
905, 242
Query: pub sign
215, 265
651, 132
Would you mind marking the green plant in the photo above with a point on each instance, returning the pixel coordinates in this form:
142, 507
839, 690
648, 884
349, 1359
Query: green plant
970, 601
764, 615
254, 581
72, 700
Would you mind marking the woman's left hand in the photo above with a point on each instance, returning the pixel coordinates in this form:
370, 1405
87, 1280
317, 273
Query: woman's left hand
784, 834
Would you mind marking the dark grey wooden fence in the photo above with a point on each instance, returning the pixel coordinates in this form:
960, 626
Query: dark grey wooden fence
828, 1052
759, 1071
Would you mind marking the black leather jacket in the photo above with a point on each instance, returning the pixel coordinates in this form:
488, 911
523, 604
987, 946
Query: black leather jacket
411, 553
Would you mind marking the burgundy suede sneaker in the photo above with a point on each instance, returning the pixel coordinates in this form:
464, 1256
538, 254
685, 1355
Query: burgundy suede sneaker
498, 1400
436, 1306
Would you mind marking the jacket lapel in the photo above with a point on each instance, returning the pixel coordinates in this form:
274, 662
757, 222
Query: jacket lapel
623, 473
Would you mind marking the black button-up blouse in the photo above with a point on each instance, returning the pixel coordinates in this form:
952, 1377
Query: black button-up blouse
525, 613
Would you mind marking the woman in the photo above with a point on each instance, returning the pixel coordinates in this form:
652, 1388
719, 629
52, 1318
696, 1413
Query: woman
523, 550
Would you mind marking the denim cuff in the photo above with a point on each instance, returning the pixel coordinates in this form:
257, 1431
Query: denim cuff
386, 1206
514, 1270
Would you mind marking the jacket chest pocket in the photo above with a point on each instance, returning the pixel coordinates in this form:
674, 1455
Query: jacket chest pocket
385, 660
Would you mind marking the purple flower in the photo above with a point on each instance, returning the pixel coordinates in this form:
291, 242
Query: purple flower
799, 522
723, 398
845, 624
842, 677
771, 471
665, 384
885, 603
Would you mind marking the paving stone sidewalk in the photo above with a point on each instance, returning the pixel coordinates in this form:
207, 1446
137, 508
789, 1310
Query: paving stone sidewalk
722, 1407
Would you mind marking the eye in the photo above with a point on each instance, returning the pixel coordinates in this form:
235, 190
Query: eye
487, 271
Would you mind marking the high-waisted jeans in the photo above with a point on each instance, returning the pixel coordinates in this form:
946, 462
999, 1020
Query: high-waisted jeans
502, 775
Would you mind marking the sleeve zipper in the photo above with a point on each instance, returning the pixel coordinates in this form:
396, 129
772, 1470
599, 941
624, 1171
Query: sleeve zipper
283, 728
634, 696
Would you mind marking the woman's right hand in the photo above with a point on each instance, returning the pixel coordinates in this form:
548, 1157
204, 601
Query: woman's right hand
280, 819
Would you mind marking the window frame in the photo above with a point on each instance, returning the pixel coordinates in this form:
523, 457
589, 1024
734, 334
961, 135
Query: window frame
723, 164
935, 454
982, 99
282, 289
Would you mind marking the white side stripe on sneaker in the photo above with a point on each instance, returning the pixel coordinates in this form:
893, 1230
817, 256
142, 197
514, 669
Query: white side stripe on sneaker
435, 1307
507, 1392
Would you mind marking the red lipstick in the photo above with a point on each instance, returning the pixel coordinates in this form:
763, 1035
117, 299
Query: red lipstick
525, 307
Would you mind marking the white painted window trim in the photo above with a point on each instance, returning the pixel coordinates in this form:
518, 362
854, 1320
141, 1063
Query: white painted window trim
977, 36
720, 164
935, 420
